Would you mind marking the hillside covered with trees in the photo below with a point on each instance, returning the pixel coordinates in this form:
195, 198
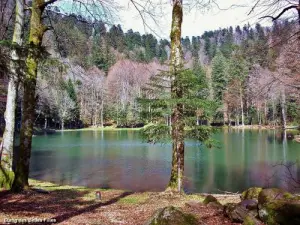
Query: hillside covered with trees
95, 74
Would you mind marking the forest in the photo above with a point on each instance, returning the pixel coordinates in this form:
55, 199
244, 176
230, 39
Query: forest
69, 70
245, 70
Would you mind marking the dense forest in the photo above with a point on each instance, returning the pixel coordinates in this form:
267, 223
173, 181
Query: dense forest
63, 71
93, 74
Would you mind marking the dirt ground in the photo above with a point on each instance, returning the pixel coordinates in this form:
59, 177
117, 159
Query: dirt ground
78, 205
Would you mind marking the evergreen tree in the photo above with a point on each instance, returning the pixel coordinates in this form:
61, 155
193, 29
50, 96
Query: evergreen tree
219, 75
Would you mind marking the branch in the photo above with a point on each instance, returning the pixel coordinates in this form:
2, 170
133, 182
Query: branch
280, 14
252, 9
46, 3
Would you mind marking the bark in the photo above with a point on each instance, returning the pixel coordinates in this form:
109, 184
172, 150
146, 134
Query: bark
12, 92
37, 30
242, 107
283, 110
177, 172
45, 124
101, 114
225, 113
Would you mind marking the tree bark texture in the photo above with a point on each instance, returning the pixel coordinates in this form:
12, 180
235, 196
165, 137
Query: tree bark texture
177, 172
37, 30
12, 91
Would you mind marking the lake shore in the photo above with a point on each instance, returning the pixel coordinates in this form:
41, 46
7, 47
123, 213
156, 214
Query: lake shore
78, 205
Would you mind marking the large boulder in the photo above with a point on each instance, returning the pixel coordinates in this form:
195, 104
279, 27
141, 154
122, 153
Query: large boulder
238, 212
235, 212
251, 193
277, 206
250, 204
172, 216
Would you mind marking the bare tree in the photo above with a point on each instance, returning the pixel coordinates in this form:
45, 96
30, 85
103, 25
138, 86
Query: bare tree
16, 72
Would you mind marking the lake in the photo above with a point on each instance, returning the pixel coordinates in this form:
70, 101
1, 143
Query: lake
121, 160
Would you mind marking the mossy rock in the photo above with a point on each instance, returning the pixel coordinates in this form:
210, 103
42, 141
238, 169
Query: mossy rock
271, 194
250, 204
209, 199
172, 216
251, 193
250, 220
236, 212
277, 206
6, 179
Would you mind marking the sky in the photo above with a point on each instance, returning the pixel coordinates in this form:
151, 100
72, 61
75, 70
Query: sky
194, 22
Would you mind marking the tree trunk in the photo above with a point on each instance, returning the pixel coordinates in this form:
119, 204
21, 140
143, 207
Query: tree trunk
283, 111
101, 115
62, 125
273, 112
45, 124
37, 30
177, 172
12, 91
225, 113
242, 107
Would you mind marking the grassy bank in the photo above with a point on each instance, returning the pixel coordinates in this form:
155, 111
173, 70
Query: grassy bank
78, 205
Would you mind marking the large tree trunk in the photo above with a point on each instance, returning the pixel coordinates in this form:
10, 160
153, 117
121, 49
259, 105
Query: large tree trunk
176, 180
37, 30
12, 91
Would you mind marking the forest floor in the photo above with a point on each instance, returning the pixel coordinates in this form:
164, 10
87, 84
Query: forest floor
78, 205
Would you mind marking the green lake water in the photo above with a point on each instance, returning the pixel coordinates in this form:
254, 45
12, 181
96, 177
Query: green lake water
121, 160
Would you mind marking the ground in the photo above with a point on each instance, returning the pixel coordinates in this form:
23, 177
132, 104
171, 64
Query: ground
78, 205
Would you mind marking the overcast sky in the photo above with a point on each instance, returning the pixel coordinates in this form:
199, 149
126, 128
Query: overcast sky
194, 22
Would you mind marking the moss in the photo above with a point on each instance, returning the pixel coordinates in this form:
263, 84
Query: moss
172, 216
210, 199
251, 193
135, 199
6, 179
248, 221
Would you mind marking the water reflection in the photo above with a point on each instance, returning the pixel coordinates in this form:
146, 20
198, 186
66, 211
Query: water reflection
119, 159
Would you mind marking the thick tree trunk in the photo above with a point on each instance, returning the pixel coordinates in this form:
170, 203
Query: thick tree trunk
37, 30
177, 172
12, 91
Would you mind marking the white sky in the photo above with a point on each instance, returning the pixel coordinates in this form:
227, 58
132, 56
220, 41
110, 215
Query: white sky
195, 22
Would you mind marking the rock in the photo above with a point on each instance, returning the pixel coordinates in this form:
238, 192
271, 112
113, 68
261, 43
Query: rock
172, 216
251, 193
217, 205
277, 206
250, 220
250, 204
270, 194
235, 212
210, 198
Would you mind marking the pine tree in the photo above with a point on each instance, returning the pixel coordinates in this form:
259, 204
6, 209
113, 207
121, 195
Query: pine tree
219, 75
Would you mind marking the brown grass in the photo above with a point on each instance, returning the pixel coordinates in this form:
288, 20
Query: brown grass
78, 205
